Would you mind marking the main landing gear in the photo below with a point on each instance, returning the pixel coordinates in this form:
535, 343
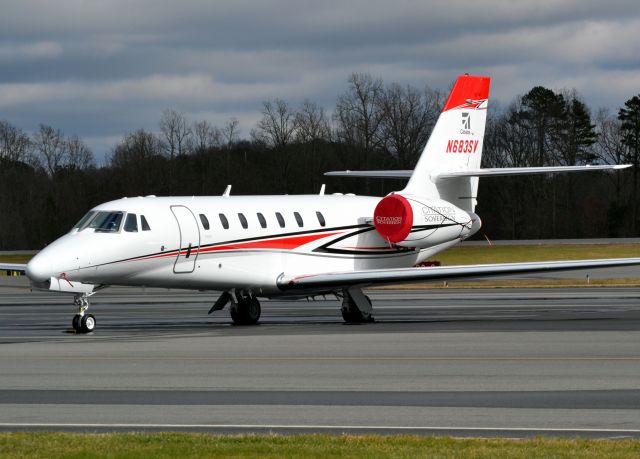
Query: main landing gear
356, 306
82, 322
245, 310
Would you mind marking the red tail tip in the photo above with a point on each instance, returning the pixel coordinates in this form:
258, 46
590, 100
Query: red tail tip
468, 92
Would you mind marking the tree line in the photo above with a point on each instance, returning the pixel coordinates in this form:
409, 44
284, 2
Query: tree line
49, 180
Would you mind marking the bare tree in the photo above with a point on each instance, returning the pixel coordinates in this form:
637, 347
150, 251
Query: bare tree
135, 148
358, 115
311, 123
312, 132
609, 147
175, 131
276, 128
231, 132
79, 155
409, 116
51, 146
206, 135
15, 145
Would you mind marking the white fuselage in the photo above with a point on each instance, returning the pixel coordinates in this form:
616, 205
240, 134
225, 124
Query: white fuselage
181, 249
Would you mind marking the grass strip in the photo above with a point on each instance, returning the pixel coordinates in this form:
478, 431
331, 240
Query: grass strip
15, 258
465, 255
517, 283
192, 445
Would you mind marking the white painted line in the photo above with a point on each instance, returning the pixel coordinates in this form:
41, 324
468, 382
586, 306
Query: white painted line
310, 427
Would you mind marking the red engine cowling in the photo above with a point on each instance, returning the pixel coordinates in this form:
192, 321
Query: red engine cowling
410, 221
393, 218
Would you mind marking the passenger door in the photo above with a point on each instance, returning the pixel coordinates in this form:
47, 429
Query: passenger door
189, 239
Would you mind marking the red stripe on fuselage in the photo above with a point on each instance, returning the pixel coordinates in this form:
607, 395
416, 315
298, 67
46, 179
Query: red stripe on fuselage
285, 243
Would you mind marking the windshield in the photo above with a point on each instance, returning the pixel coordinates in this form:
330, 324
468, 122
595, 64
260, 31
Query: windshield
107, 222
84, 220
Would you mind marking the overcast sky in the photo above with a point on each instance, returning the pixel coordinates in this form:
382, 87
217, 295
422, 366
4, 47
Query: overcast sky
100, 68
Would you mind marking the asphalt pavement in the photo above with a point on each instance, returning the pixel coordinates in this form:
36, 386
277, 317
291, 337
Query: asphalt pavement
476, 362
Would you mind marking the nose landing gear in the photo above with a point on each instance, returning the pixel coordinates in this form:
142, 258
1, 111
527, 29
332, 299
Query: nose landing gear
83, 323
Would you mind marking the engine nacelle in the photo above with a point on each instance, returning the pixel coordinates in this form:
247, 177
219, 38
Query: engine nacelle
410, 221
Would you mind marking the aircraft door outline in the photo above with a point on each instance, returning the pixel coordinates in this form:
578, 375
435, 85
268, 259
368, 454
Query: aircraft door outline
189, 240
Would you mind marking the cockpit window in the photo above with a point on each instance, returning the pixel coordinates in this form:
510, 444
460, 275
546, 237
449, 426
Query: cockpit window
144, 224
106, 222
131, 223
84, 220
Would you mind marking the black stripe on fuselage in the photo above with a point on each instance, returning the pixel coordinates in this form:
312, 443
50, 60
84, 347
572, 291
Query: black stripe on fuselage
235, 241
328, 249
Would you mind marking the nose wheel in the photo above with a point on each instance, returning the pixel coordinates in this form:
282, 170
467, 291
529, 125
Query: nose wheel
82, 322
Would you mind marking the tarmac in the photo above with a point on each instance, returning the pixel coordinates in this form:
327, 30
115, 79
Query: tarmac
476, 362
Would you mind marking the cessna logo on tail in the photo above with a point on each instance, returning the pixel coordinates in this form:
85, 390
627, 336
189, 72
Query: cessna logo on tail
466, 121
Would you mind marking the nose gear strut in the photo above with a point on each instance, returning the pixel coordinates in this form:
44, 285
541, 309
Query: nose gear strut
83, 323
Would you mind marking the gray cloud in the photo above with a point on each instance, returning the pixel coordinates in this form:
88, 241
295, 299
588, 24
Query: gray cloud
101, 68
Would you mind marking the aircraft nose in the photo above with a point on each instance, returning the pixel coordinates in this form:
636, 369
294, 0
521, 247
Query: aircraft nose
38, 269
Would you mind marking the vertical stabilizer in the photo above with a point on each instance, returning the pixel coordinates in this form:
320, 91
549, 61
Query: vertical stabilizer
455, 145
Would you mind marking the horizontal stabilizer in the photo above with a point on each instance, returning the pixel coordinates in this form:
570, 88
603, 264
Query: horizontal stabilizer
371, 174
500, 171
489, 172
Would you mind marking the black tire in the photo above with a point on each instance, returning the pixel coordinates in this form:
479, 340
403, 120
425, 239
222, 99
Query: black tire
253, 311
352, 314
76, 322
246, 312
236, 317
88, 323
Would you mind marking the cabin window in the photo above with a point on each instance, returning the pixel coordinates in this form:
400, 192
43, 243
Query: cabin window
321, 219
107, 222
143, 223
131, 223
84, 220
298, 219
205, 221
243, 220
280, 219
224, 221
262, 220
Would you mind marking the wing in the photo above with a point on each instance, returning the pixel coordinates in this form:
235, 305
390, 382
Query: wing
337, 280
13, 267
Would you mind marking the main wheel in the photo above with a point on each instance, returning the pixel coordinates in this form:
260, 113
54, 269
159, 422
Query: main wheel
88, 323
236, 317
76, 322
352, 314
246, 312
253, 311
